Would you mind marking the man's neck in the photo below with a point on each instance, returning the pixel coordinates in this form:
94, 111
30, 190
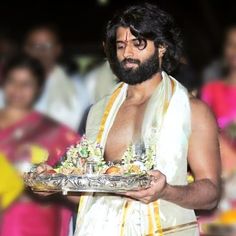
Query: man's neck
142, 92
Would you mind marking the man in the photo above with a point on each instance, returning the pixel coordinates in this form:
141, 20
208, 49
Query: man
142, 46
59, 98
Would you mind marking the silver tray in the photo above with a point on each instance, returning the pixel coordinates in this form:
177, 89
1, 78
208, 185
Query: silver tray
45, 182
87, 183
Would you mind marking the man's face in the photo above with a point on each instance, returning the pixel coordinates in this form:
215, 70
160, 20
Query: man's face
137, 60
42, 45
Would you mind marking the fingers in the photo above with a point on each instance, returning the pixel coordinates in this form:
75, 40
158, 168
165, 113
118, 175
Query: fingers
74, 199
42, 168
157, 178
139, 194
43, 194
147, 200
155, 173
154, 192
135, 196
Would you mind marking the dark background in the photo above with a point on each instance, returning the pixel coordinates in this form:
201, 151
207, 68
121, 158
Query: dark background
81, 23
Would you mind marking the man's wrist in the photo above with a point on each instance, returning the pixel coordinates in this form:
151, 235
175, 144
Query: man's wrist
165, 193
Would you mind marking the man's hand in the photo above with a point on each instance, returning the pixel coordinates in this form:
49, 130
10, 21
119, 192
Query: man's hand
154, 192
43, 168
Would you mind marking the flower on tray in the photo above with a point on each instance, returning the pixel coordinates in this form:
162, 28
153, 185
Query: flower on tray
77, 156
86, 157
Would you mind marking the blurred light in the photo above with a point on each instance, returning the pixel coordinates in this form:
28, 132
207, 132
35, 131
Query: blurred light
103, 2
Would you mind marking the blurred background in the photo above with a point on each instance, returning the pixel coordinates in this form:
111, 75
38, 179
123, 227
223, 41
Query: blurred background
81, 24
44, 103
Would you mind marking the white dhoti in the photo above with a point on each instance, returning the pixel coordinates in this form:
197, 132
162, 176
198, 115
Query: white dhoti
167, 121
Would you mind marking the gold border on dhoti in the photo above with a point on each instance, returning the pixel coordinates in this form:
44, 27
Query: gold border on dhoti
154, 208
175, 229
125, 209
157, 218
181, 227
107, 111
83, 199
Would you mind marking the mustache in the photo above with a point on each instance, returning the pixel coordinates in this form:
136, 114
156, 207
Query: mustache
131, 60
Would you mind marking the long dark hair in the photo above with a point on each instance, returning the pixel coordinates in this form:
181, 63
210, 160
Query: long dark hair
147, 21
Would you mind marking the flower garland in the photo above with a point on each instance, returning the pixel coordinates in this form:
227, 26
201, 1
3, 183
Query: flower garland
78, 156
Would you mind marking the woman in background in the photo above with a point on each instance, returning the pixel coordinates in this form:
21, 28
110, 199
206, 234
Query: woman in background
25, 137
220, 95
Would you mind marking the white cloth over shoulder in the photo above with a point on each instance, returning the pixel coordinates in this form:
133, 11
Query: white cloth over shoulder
167, 122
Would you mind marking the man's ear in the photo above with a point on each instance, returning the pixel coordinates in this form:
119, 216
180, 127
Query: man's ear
161, 50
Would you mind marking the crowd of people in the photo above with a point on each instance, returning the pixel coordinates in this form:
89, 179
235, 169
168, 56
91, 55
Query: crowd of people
44, 110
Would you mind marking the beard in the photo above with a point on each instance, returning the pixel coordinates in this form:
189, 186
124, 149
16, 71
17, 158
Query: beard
132, 76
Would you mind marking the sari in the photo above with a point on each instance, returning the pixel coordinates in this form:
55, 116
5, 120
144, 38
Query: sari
220, 97
28, 216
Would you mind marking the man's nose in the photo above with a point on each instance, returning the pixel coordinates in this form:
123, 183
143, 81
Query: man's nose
128, 52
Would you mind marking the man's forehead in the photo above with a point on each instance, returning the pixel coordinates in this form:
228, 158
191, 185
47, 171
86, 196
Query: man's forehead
124, 34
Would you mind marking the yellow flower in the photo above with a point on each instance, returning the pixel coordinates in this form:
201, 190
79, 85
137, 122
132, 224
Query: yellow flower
11, 184
228, 217
190, 178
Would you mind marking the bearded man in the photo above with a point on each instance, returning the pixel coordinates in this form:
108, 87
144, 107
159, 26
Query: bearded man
143, 47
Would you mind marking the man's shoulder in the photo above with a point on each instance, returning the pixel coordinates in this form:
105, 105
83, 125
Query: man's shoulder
97, 110
198, 105
101, 103
95, 116
201, 113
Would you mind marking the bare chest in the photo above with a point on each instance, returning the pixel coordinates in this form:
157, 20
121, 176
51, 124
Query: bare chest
125, 130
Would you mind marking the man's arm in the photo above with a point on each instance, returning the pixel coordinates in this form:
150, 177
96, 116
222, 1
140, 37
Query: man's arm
204, 161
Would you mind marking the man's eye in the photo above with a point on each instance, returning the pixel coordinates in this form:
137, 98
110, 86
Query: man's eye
136, 43
140, 44
119, 46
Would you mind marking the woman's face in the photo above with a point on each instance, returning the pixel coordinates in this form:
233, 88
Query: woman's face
230, 49
20, 88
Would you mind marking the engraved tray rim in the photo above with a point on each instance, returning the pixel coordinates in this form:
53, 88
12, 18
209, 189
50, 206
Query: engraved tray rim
65, 185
